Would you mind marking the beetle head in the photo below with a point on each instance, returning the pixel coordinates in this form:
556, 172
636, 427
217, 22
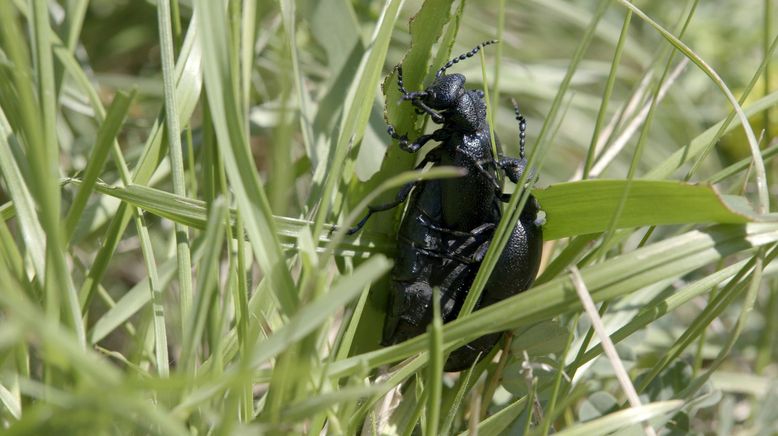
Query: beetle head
444, 91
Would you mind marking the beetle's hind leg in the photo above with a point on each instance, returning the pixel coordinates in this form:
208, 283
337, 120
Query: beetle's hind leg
464, 241
439, 253
478, 231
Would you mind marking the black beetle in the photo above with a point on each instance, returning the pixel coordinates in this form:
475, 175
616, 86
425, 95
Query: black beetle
431, 255
448, 224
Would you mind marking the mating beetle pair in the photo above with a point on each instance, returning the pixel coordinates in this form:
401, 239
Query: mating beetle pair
448, 224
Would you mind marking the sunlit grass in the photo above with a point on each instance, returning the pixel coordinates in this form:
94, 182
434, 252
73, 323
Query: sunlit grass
175, 179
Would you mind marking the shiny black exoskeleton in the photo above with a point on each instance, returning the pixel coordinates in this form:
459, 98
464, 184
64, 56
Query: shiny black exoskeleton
448, 224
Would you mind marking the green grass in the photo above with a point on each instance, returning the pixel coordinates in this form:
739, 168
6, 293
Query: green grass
175, 178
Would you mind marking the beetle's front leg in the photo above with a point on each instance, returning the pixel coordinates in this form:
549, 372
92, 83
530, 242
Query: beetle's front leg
413, 147
402, 195
423, 108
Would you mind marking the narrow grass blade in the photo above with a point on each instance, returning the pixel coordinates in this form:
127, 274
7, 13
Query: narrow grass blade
105, 139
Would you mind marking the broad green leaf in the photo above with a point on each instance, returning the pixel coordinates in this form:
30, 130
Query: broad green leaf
578, 208
540, 339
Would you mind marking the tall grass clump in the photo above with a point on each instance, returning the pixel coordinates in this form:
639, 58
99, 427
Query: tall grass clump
176, 178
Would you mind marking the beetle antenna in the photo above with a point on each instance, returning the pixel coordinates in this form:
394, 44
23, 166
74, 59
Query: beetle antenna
522, 127
464, 56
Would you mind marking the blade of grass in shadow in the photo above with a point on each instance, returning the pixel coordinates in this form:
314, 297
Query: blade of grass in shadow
157, 302
42, 151
344, 346
23, 202
434, 386
242, 290
354, 123
9, 251
463, 385
303, 322
188, 86
106, 136
763, 69
699, 143
606, 96
136, 298
229, 124
176, 156
207, 280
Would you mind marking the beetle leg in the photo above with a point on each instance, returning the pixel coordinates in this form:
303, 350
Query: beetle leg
479, 235
403, 140
436, 117
423, 108
512, 167
437, 253
412, 147
371, 209
402, 195
476, 232
488, 174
